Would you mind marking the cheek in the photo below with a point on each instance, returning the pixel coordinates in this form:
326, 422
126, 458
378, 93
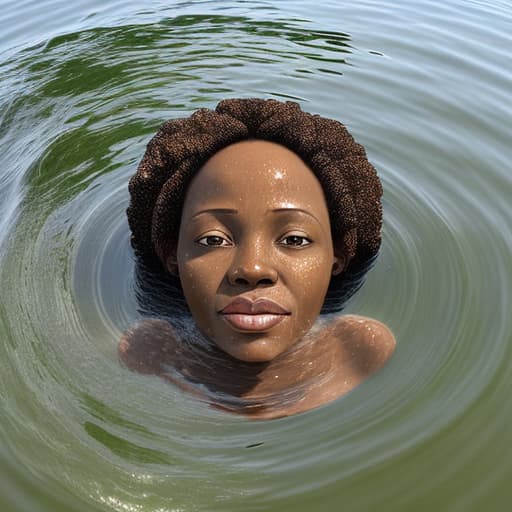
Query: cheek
200, 278
309, 279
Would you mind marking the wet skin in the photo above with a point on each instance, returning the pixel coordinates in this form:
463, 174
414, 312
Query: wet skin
255, 257
255, 254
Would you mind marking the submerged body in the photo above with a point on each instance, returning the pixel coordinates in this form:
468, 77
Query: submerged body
323, 366
255, 256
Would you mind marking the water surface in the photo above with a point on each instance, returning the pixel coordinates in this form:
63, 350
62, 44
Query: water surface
425, 86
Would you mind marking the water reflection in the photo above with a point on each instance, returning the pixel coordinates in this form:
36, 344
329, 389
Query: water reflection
75, 114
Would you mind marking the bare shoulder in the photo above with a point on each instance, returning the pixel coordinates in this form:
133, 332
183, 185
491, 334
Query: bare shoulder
147, 345
369, 343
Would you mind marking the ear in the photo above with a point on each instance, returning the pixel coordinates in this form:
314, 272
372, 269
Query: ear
340, 261
171, 264
338, 265
344, 251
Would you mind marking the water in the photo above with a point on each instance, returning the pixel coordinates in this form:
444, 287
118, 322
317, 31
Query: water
425, 86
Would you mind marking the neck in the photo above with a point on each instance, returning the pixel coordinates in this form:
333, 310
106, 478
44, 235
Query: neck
285, 378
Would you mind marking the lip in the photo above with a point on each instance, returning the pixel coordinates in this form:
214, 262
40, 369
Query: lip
253, 316
244, 306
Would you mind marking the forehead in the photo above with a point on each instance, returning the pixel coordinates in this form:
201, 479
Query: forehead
256, 170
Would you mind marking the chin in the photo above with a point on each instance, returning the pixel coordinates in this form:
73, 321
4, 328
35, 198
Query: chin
254, 358
256, 351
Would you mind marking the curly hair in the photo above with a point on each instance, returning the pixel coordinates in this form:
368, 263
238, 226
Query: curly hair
182, 146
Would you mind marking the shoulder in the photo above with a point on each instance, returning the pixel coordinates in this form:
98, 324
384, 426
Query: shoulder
147, 344
367, 341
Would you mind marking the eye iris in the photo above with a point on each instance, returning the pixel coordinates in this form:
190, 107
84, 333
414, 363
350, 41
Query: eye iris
214, 240
294, 240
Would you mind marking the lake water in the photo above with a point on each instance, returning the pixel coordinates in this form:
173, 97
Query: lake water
425, 86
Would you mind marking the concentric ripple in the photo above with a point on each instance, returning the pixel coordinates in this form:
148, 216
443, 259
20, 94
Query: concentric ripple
424, 87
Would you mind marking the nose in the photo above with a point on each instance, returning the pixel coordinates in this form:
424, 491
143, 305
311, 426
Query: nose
252, 267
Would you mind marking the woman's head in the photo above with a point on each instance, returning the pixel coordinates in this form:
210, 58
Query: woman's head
169, 171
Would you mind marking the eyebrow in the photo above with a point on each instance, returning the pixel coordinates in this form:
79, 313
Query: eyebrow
215, 210
300, 210
296, 210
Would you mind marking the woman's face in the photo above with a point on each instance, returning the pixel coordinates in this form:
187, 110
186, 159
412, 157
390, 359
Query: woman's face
255, 254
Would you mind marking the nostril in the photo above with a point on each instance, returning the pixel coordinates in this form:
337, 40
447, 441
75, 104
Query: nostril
241, 281
253, 275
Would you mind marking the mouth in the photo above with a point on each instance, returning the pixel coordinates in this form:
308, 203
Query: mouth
254, 316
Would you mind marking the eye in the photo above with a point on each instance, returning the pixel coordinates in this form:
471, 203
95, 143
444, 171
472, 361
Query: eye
213, 241
295, 241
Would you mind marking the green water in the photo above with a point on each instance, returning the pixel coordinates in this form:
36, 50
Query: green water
425, 86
